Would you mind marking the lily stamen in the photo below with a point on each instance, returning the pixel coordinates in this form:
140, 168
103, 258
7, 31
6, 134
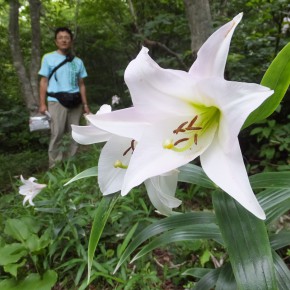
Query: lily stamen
193, 128
132, 146
181, 140
180, 128
195, 139
192, 121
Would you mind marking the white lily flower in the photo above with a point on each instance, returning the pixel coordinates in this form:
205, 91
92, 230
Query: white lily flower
30, 189
189, 114
114, 161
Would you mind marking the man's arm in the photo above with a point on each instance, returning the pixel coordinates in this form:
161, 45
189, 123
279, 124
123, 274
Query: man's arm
42, 94
84, 96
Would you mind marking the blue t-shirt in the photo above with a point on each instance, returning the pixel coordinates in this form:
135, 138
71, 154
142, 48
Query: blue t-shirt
66, 78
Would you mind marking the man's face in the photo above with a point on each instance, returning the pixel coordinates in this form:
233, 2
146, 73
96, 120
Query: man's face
63, 40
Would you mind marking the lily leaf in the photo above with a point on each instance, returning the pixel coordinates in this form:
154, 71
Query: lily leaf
282, 272
191, 173
275, 202
271, 180
93, 171
277, 78
247, 244
101, 216
280, 240
226, 279
183, 233
164, 225
196, 272
208, 281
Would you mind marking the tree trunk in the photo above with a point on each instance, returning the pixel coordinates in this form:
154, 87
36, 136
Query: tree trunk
199, 20
28, 80
35, 7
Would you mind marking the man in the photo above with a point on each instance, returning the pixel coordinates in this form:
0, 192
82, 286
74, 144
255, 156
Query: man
59, 87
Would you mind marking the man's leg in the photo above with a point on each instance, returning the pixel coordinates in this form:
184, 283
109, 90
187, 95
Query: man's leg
58, 120
74, 116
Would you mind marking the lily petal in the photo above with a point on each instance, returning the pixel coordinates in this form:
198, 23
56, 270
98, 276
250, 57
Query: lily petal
152, 87
89, 134
111, 178
235, 101
161, 191
126, 122
227, 170
212, 56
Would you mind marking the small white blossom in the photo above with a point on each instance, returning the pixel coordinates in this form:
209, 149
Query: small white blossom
115, 100
30, 189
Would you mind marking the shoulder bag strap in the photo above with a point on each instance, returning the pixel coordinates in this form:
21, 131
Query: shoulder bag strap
69, 58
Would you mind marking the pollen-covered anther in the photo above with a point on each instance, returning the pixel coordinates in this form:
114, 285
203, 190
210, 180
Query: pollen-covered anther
132, 146
180, 140
193, 128
180, 128
192, 121
195, 139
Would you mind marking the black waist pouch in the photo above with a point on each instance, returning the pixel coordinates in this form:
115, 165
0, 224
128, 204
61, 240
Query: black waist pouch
68, 100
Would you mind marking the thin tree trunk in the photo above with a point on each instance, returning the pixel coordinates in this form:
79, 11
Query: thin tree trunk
35, 7
200, 23
28, 81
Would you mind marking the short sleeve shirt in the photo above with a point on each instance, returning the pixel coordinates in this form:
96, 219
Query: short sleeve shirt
65, 79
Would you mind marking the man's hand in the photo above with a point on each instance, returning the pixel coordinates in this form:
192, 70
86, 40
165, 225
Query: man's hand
42, 109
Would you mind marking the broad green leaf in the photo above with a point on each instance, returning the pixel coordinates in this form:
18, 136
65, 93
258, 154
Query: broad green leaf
17, 229
226, 279
282, 272
247, 244
182, 233
93, 171
191, 173
275, 202
164, 225
277, 78
32, 281
271, 180
12, 268
280, 240
101, 216
12, 253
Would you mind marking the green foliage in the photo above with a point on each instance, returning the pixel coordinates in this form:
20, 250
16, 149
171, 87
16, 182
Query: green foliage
55, 234
276, 78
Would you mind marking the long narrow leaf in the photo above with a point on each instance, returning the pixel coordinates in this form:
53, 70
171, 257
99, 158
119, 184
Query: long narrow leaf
226, 279
196, 272
271, 180
247, 244
101, 216
275, 202
280, 240
183, 233
163, 226
208, 281
191, 173
277, 78
93, 171
282, 272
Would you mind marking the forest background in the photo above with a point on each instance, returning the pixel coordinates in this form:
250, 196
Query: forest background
108, 35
